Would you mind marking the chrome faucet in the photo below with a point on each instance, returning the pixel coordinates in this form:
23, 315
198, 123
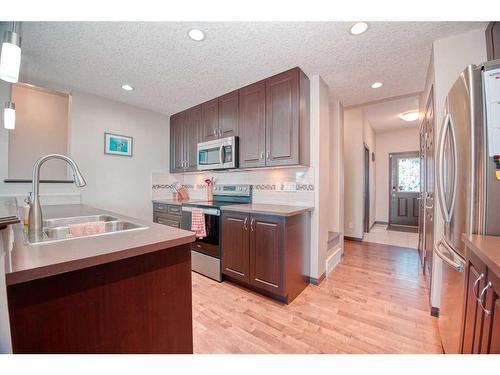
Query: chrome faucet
35, 224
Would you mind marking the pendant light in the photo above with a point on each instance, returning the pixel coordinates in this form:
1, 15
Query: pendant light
9, 116
10, 59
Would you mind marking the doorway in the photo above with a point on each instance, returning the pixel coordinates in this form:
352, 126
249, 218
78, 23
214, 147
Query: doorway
404, 190
366, 188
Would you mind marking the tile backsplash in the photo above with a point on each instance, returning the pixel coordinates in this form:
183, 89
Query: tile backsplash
290, 186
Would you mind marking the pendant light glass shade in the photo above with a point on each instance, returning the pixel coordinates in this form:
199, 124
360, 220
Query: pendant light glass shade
10, 58
9, 116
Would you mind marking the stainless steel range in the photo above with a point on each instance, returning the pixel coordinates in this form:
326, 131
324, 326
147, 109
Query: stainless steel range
206, 251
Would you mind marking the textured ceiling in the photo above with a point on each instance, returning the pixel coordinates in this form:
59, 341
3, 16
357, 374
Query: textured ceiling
170, 72
384, 116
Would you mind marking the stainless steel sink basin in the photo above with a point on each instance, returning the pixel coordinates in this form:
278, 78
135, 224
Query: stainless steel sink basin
55, 230
65, 221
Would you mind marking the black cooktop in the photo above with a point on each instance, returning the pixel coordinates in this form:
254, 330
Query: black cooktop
210, 204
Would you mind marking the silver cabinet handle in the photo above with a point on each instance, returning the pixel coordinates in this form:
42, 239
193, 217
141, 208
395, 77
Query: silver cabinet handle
486, 311
251, 224
267, 154
215, 131
245, 223
220, 131
262, 155
475, 285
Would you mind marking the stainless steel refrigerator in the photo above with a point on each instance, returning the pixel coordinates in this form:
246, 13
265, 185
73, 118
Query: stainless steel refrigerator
468, 188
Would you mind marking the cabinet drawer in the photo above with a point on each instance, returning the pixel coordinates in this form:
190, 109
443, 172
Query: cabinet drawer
160, 207
174, 210
171, 221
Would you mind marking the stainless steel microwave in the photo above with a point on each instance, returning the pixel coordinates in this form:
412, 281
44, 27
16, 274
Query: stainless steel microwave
218, 154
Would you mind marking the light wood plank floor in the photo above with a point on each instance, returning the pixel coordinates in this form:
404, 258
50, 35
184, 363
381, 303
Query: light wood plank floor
375, 301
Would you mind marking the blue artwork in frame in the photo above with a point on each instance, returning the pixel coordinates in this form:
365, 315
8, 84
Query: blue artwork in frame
115, 144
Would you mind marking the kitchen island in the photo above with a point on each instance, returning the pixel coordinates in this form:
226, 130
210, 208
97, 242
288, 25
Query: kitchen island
123, 292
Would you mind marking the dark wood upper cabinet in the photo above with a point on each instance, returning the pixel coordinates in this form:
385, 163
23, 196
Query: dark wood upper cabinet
266, 252
177, 122
192, 137
252, 125
210, 120
493, 41
228, 114
287, 119
235, 245
270, 117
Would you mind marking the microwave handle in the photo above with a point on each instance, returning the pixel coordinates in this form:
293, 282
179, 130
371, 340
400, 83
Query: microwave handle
221, 155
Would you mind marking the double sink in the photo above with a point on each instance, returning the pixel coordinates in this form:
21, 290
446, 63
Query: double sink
59, 229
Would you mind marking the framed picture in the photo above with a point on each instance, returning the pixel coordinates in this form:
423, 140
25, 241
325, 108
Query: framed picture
115, 144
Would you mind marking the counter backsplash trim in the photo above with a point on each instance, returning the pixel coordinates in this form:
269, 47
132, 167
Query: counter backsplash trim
291, 186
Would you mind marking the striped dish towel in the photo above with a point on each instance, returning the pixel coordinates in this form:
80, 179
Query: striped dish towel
198, 222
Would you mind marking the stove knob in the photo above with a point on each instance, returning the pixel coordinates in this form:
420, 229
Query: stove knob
239, 188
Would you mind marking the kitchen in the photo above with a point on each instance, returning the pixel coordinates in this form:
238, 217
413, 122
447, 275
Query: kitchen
225, 202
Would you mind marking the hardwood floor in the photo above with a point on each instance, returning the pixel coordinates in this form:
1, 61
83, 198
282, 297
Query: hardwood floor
375, 301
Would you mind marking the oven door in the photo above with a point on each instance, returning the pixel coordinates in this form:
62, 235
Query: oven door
209, 245
218, 154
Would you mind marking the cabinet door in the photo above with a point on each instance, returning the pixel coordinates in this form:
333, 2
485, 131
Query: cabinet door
252, 125
490, 341
473, 314
228, 115
282, 119
192, 137
210, 120
266, 252
235, 245
177, 142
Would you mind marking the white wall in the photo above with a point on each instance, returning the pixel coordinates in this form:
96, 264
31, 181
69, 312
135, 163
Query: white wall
320, 161
118, 183
353, 173
336, 166
386, 143
450, 57
369, 140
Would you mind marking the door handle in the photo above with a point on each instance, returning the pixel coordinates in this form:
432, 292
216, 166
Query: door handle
459, 267
251, 224
221, 155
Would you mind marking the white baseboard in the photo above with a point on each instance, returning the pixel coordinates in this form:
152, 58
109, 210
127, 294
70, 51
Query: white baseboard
334, 259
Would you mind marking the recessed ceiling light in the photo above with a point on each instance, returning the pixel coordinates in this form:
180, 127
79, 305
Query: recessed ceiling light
127, 87
196, 34
359, 28
377, 85
409, 116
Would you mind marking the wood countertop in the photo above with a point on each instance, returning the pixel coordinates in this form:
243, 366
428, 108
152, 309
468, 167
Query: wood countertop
29, 262
267, 209
487, 248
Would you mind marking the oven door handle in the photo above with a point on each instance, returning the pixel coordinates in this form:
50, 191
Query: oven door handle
206, 211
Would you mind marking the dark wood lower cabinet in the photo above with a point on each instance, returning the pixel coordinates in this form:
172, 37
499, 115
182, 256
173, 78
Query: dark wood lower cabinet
267, 253
136, 305
481, 325
236, 243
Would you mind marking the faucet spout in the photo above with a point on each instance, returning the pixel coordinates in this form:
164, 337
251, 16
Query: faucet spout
35, 214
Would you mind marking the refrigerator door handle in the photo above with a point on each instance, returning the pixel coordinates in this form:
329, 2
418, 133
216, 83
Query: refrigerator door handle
445, 210
458, 266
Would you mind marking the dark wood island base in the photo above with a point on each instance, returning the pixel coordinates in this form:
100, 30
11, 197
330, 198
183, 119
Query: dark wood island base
140, 304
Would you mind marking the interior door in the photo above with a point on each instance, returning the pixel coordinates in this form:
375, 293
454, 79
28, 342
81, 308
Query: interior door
405, 188
421, 200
